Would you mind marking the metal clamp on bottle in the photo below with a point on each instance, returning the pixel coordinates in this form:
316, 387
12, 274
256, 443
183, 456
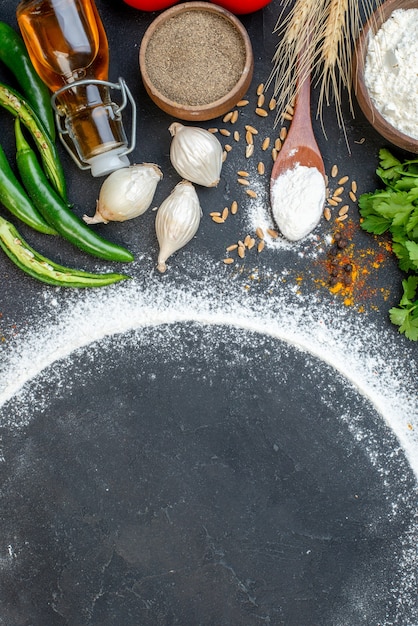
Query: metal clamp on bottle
93, 119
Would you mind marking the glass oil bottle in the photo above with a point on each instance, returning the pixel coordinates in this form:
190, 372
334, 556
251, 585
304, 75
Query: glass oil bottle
68, 47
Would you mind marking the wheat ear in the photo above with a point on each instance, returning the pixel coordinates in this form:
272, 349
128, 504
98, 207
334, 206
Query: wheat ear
335, 60
331, 26
295, 55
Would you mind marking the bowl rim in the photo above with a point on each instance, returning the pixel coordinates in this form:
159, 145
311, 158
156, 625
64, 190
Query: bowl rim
194, 111
373, 115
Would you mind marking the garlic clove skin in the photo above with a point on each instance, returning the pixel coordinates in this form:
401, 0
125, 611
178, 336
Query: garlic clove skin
196, 154
126, 193
177, 221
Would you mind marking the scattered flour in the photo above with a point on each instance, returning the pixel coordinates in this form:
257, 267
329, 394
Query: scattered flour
258, 214
298, 198
368, 357
391, 74
373, 362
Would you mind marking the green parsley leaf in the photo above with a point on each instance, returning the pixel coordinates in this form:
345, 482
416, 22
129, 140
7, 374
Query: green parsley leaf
407, 322
388, 166
402, 254
412, 224
412, 248
407, 184
398, 316
410, 287
406, 315
376, 224
398, 208
395, 209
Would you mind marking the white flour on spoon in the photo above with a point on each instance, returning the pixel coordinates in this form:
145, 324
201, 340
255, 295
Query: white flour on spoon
298, 199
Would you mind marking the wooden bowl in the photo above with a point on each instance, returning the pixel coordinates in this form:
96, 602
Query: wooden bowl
225, 47
375, 118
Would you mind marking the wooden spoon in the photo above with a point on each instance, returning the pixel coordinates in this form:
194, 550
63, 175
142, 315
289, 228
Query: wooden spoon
300, 146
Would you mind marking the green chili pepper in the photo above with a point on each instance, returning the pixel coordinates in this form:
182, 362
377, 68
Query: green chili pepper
45, 270
13, 102
56, 212
15, 199
15, 56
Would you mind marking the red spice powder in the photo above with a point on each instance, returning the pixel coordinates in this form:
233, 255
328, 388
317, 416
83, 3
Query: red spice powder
351, 271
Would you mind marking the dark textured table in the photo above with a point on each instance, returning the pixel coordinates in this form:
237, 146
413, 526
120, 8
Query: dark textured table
220, 444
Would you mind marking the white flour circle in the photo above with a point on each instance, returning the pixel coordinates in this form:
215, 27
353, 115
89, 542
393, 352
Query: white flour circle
367, 357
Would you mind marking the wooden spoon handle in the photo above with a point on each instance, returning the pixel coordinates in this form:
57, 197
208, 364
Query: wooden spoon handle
300, 130
300, 146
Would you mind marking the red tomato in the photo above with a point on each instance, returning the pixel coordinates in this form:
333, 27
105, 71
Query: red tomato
150, 5
239, 7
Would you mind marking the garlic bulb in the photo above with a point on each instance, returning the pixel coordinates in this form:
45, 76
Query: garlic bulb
196, 154
177, 221
126, 193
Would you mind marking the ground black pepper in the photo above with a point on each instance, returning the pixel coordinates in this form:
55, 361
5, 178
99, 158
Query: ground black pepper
195, 58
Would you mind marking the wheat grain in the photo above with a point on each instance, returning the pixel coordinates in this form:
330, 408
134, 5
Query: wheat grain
249, 150
249, 137
273, 233
265, 143
261, 168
